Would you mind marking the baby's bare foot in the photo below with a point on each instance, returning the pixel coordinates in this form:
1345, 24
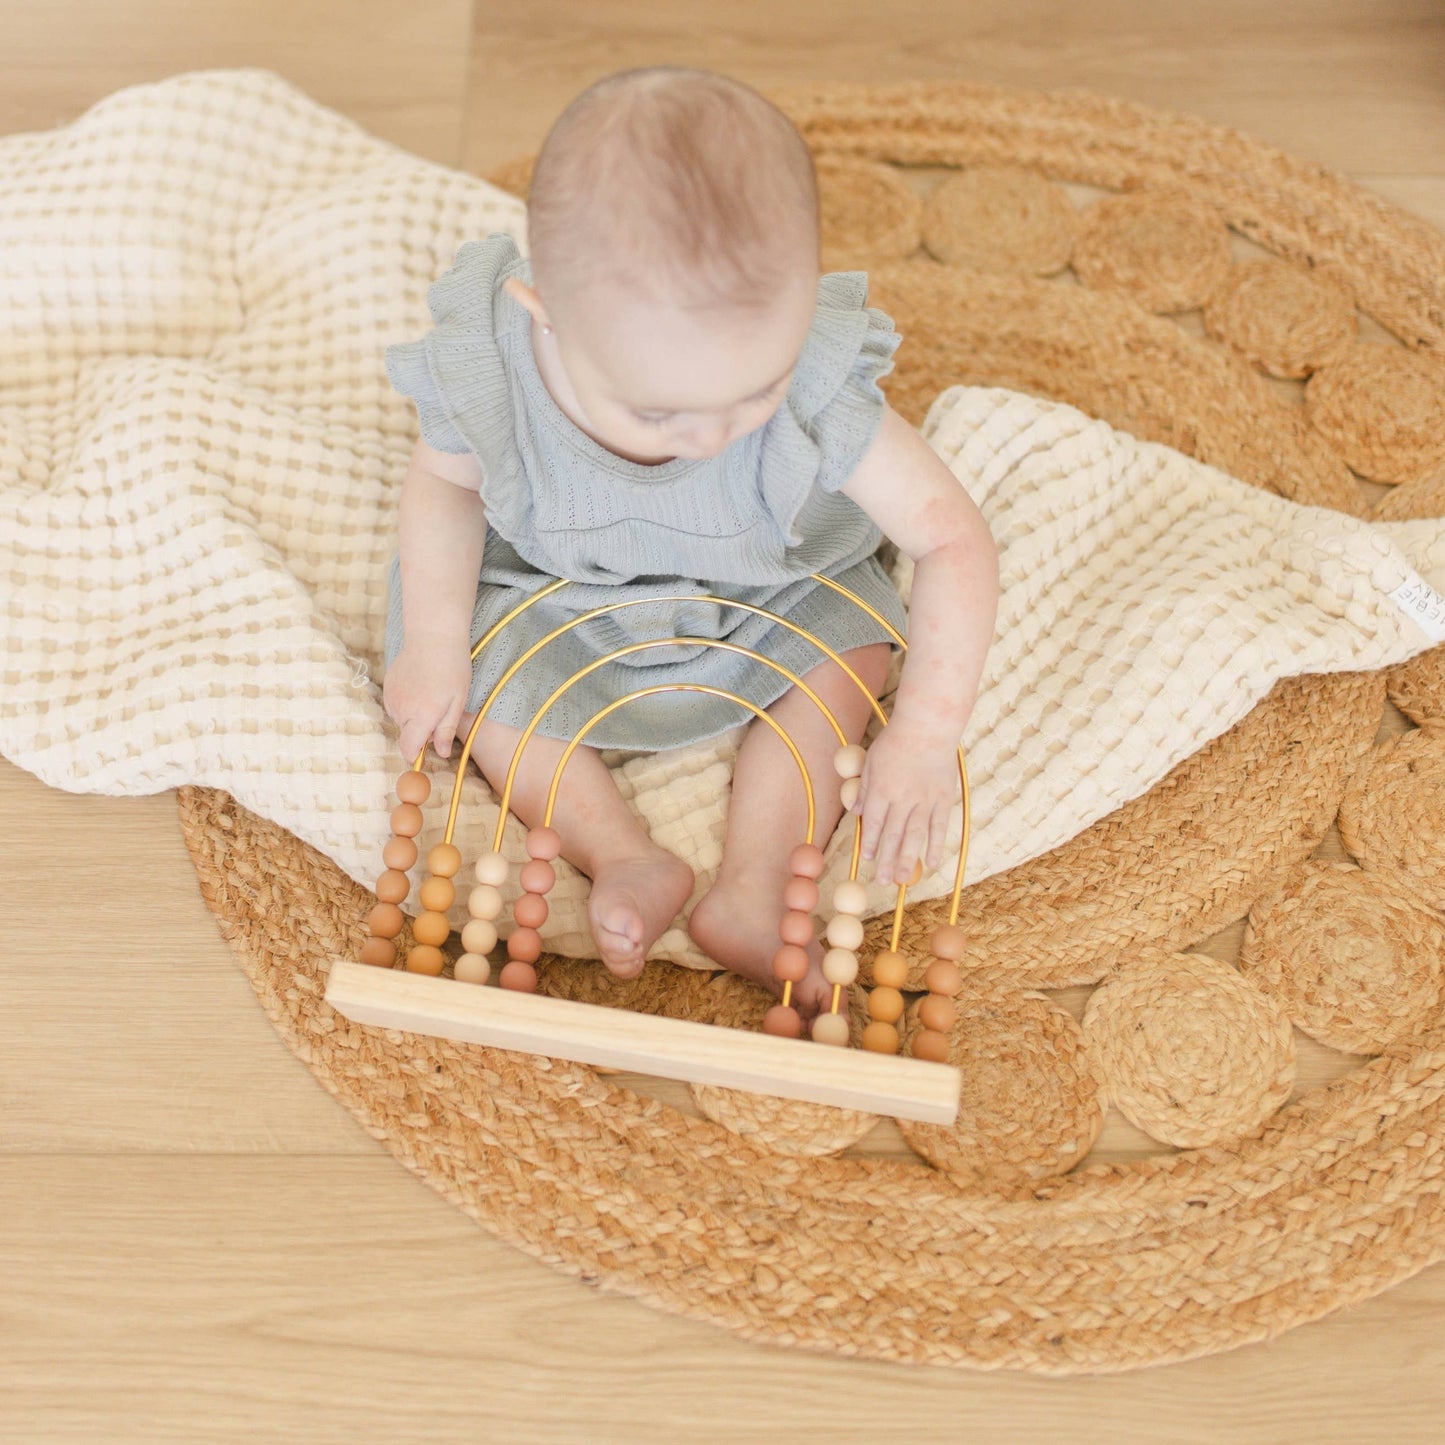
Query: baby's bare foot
736, 924
632, 901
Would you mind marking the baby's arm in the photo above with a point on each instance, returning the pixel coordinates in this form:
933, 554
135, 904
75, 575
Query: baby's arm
442, 526
911, 777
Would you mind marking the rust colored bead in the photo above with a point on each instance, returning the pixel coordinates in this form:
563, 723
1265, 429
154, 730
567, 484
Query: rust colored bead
431, 928
424, 958
880, 1038
948, 941
790, 964
406, 820
537, 876
544, 843
890, 969
796, 928
943, 977
399, 853
938, 1013
806, 860
885, 1004
445, 860
392, 886
930, 1045
378, 952
413, 787
385, 920
784, 1022
830, 1029
525, 945
519, 976
801, 894
437, 894
530, 910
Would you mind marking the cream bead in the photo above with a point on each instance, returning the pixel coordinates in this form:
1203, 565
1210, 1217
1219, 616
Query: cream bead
840, 966
850, 896
484, 901
492, 868
830, 1029
848, 761
850, 790
473, 968
845, 931
479, 936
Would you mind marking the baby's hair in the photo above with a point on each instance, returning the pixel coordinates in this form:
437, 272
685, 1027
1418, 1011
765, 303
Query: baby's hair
681, 182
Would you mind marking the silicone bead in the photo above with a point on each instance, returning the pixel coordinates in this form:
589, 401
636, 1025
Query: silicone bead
378, 952
392, 886
848, 761
796, 928
413, 787
492, 869
424, 958
525, 945
885, 1004
519, 976
948, 941
790, 964
840, 966
784, 1022
938, 1013
849, 792
530, 910
544, 843
917, 875
399, 853
484, 902
851, 897
437, 894
801, 894
806, 860
931, 1046
472, 968
880, 1038
890, 970
444, 861
479, 936
431, 928
943, 977
406, 820
537, 876
830, 1029
385, 920
845, 931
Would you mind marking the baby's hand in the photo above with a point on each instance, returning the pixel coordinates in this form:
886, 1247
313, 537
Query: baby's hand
425, 694
910, 781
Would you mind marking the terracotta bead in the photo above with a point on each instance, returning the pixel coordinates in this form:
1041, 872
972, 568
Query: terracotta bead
845, 931
492, 869
519, 976
424, 958
930, 1046
378, 952
479, 935
406, 820
880, 1038
444, 861
537, 876
790, 964
385, 920
801, 894
431, 928
472, 968
848, 761
885, 1004
530, 910
544, 843
840, 966
796, 928
413, 787
938, 1013
399, 853
948, 941
830, 1029
392, 886
437, 894
890, 969
850, 897
484, 902
806, 860
784, 1022
943, 977
525, 945
849, 792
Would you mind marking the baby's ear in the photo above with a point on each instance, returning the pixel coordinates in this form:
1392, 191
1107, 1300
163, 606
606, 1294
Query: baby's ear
525, 296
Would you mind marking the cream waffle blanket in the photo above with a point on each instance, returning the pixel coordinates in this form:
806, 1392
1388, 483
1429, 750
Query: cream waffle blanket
199, 465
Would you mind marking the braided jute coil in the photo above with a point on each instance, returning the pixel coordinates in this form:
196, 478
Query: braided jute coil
994, 1248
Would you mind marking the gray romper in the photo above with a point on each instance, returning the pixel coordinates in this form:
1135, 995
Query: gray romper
749, 524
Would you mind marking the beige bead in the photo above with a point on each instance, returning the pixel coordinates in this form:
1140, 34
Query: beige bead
431, 928
845, 931
413, 787
840, 966
437, 894
885, 1004
399, 853
849, 792
479, 936
848, 761
890, 969
473, 968
831, 1029
492, 868
484, 901
850, 897
425, 958
444, 861
880, 1038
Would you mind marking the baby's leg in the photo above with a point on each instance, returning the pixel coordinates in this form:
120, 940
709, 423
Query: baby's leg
637, 887
736, 922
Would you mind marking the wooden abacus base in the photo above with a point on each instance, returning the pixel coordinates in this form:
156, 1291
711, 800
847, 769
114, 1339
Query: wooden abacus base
900, 1088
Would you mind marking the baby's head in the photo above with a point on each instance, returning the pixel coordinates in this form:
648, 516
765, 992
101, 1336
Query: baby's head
673, 231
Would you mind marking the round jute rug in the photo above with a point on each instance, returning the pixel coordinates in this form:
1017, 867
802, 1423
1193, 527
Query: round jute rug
1195, 288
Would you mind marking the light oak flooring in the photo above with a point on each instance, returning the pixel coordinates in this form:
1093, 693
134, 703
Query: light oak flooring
196, 1242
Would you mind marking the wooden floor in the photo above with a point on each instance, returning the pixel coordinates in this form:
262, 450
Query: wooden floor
196, 1243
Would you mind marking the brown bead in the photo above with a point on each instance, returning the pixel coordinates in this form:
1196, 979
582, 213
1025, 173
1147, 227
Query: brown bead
530, 910
801, 895
424, 958
431, 928
399, 853
942, 976
930, 1046
806, 860
438, 894
519, 976
445, 860
880, 1038
537, 876
413, 787
790, 964
890, 969
783, 1022
525, 944
378, 952
543, 843
392, 886
885, 1004
938, 1013
796, 928
385, 920
948, 941
406, 820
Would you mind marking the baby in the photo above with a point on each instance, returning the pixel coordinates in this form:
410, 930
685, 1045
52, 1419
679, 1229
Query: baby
668, 402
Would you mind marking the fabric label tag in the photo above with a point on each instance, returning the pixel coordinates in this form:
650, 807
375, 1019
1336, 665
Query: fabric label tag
1420, 601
